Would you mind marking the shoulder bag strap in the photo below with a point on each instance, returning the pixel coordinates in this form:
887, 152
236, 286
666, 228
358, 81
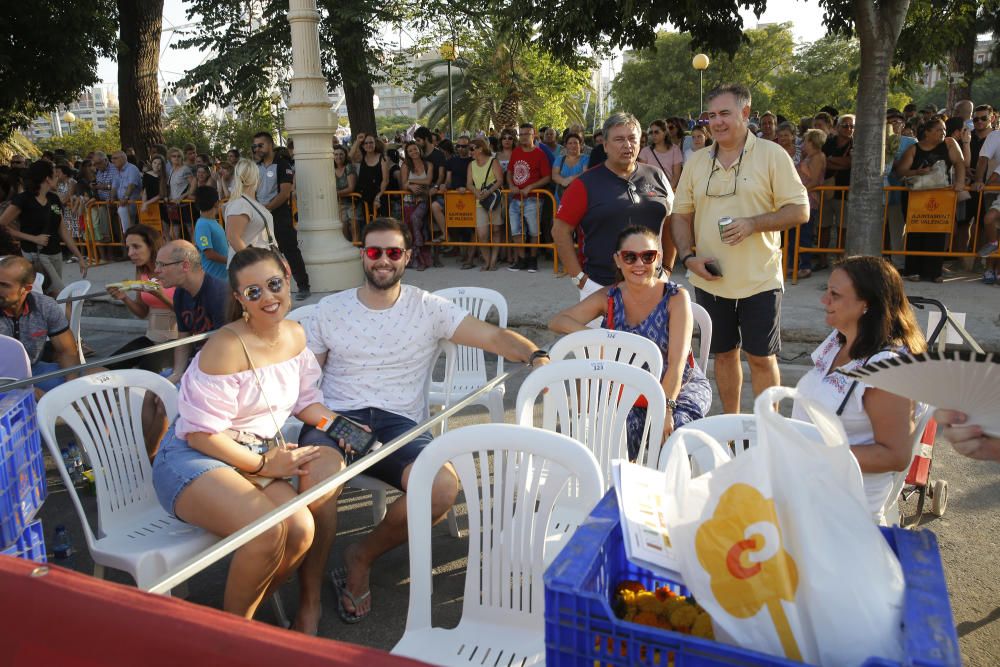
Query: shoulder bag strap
854, 385
278, 436
267, 230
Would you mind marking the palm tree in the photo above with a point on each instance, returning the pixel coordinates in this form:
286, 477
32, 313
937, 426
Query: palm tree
494, 85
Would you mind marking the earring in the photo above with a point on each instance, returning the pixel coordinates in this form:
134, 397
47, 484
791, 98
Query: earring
246, 315
864, 312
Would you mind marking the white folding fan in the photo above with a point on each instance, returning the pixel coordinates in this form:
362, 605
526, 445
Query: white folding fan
956, 380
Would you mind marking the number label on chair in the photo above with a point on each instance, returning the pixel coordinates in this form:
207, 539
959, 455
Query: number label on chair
597, 366
611, 335
104, 378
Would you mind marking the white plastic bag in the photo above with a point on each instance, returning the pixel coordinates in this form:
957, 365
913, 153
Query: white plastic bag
779, 547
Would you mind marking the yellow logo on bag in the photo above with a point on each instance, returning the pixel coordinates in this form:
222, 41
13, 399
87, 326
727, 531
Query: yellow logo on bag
740, 547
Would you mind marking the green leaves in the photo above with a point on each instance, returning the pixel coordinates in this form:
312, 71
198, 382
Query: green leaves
50, 54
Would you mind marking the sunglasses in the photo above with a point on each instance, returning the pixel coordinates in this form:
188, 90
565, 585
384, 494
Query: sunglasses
981, 119
256, 146
374, 252
461, 146
255, 292
630, 257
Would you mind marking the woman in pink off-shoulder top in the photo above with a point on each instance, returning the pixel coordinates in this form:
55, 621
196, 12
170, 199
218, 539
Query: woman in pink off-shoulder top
223, 464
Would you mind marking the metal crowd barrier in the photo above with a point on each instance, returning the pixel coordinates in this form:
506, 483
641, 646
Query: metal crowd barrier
101, 363
229, 544
399, 204
889, 235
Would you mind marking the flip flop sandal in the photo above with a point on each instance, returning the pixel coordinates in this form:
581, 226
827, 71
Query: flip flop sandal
339, 579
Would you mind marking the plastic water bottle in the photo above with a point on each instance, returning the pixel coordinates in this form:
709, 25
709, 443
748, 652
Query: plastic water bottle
67, 460
76, 464
62, 547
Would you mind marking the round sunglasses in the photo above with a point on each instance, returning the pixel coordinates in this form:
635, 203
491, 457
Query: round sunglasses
374, 252
255, 292
647, 256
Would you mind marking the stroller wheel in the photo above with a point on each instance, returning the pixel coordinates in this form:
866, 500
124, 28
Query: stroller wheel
939, 497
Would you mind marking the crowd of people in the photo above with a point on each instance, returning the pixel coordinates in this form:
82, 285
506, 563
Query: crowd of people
713, 197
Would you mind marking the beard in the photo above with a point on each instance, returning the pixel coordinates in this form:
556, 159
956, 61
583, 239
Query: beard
384, 283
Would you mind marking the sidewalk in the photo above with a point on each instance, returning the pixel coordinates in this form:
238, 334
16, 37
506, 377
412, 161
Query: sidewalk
535, 297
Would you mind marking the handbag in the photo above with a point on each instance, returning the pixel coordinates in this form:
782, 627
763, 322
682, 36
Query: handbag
253, 442
934, 179
490, 201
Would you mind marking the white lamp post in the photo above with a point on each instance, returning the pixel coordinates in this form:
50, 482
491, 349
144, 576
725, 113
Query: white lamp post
332, 262
69, 118
700, 62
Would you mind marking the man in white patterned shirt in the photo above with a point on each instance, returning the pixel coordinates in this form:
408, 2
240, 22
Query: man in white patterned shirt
376, 345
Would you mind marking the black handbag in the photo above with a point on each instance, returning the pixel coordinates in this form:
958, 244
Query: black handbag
490, 201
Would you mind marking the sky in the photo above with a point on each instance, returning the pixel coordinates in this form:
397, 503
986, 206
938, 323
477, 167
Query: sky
806, 15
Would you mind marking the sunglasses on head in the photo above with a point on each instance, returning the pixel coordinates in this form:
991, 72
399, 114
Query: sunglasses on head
255, 292
647, 256
374, 252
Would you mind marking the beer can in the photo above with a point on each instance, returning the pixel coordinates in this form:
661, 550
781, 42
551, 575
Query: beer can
723, 223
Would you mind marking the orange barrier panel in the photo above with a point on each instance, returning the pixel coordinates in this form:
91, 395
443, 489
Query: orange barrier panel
929, 211
399, 202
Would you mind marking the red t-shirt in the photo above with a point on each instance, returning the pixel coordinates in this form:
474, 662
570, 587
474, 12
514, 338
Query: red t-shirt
526, 167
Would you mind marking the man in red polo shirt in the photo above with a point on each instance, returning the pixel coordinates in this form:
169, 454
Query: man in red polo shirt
527, 170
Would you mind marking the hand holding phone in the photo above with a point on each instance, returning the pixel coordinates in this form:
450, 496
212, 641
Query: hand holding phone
713, 268
355, 436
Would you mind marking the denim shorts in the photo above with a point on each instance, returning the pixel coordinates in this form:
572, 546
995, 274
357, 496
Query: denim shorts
387, 426
176, 465
529, 205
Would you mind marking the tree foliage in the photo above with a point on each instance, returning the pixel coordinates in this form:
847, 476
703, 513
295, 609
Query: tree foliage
660, 81
83, 137
251, 43
503, 78
217, 134
824, 72
50, 53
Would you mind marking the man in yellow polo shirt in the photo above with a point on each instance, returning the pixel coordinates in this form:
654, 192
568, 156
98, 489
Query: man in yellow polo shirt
736, 269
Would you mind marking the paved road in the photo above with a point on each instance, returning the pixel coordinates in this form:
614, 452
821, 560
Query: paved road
967, 533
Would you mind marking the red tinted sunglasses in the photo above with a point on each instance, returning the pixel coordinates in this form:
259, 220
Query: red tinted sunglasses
374, 252
647, 256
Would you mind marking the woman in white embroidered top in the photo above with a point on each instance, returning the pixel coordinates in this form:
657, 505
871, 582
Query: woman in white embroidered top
248, 222
223, 464
866, 305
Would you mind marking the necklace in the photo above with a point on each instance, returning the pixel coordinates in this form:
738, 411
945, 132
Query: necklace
270, 344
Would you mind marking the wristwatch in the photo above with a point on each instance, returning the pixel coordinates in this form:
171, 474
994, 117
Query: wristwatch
671, 404
686, 258
537, 354
578, 278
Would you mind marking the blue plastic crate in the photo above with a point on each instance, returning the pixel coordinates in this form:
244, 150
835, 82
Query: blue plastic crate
30, 544
22, 465
581, 629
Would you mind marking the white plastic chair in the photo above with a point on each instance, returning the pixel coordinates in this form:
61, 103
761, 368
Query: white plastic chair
704, 322
470, 362
590, 402
736, 433
609, 345
302, 313
134, 533
14, 362
78, 288
513, 478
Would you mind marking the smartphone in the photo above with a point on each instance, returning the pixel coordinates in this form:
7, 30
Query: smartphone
356, 437
713, 268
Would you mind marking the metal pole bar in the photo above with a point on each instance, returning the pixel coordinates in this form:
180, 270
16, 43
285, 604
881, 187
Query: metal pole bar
99, 363
451, 120
229, 544
81, 297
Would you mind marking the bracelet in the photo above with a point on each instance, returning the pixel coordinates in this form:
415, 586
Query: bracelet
537, 354
263, 462
687, 257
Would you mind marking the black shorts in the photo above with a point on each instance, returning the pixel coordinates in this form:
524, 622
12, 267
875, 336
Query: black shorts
386, 426
753, 323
